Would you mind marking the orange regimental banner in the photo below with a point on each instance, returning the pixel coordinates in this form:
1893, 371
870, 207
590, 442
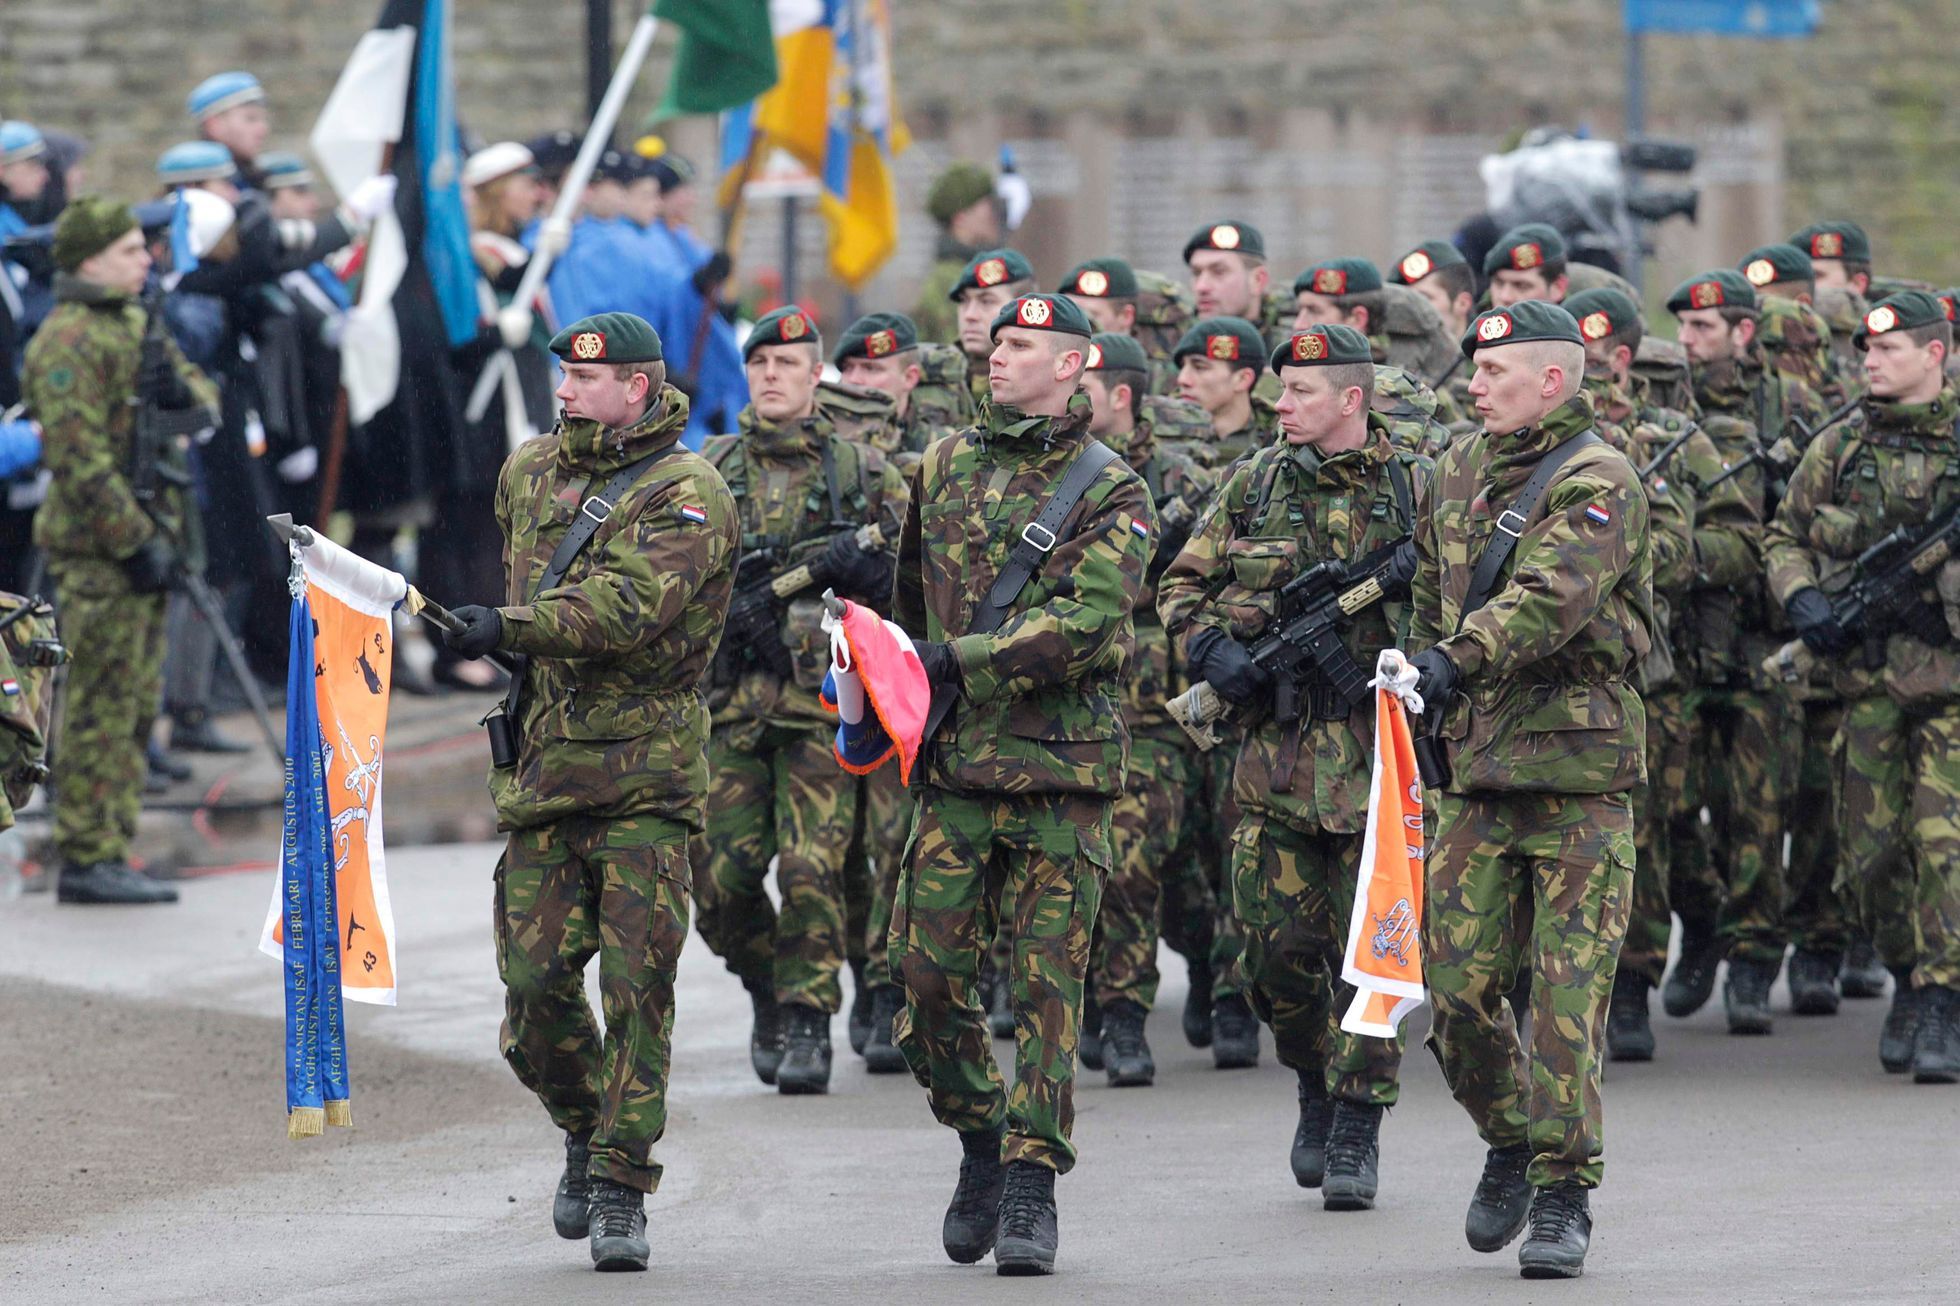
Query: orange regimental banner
1384, 948
352, 601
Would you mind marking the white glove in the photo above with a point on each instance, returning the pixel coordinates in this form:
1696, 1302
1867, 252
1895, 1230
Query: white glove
299, 466
554, 237
371, 198
514, 325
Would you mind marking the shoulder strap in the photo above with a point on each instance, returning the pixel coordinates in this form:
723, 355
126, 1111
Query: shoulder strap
1483, 581
830, 477
1405, 497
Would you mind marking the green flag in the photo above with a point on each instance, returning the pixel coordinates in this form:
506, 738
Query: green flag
726, 57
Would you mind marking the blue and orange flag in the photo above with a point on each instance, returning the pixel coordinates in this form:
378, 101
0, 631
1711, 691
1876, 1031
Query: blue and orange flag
877, 687
1384, 947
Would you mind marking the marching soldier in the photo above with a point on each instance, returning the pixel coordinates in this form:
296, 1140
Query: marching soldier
1024, 550
619, 553
1527, 262
1229, 278
1438, 272
1335, 489
881, 351
1899, 745
1841, 266
989, 281
1796, 339
1218, 364
963, 206
114, 534
1403, 329
803, 495
1532, 597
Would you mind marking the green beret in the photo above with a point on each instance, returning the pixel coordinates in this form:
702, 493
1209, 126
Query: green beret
1719, 288
1839, 240
877, 335
1228, 339
1425, 259
961, 186
789, 325
1335, 277
1101, 278
1773, 263
1111, 351
1043, 313
992, 267
1525, 249
608, 338
89, 225
1602, 312
1950, 301
1232, 237
1904, 311
1323, 345
1527, 320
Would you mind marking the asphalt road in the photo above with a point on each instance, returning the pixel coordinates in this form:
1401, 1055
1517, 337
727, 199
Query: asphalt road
143, 1155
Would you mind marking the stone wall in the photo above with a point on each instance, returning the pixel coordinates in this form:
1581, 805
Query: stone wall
1335, 126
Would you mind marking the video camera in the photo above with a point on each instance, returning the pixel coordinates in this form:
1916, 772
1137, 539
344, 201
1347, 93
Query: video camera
1590, 190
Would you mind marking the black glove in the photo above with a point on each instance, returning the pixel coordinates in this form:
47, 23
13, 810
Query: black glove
151, 569
1436, 677
481, 629
712, 273
1401, 573
1817, 625
855, 571
1224, 662
941, 663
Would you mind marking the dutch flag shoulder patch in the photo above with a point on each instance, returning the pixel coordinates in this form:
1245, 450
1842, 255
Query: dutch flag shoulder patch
694, 513
10, 687
1598, 515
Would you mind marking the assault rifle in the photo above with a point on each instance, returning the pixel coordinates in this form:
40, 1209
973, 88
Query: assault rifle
1304, 651
753, 632
1781, 465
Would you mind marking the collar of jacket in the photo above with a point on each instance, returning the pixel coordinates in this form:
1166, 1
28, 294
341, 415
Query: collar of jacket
1925, 422
1261, 428
71, 289
803, 436
1614, 401
1561, 424
1729, 384
1348, 467
1010, 427
587, 447
1136, 444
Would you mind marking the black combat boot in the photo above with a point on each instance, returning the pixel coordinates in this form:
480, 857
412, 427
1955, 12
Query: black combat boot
1901, 1029
1090, 1046
860, 1018
1864, 973
1353, 1146
1502, 1201
1309, 1155
1936, 1045
1126, 1053
881, 1054
805, 1067
1028, 1235
108, 884
191, 731
619, 1227
569, 1207
1813, 983
973, 1216
1197, 1006
766, 1036
162, 764
1561, 1229
1000, 1007
1692, 981
1746, 996
1629, 1036
1235, 1034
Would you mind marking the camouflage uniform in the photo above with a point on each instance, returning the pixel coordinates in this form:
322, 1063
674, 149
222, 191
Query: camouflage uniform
79, 379
611, 769
1545, 744
1149, 814
1842, 310
1018, 785
777, 792
1165, 311
936, 315
26, 707
1898, 749
1303, 787
1418, 420
1796, 342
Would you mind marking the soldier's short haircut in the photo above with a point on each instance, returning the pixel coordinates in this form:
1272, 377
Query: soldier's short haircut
1139, 383
1454, 278
1926, 335
1734, 313
1342, 375
656, 374
1567, 355
1375, 301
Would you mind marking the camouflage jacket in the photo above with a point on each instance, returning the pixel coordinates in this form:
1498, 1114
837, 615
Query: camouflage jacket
1854, 485
26, 707
861, 414
1165, 311
1037, 707
941, 400
1179, 490
789, 504
1281, 511
935, 315
1547, 702
1843, 311
613, 722
1417, 419
1796, 341
79, 380
1411, 335
1217, 452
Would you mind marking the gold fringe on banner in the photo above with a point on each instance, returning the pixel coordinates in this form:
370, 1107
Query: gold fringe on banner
306, 1122
341, 1114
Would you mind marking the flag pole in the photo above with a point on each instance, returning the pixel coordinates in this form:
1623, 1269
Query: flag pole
556, 232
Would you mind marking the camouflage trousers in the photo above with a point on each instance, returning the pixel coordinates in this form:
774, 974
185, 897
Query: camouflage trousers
1748, 743
1899, 832
1047, 855
1294, 894
1694, 882
616, 887
1814, 915
1670, 740
884, 819
1542, 880
776, 792
1199, 922
1144, 826
115, 673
